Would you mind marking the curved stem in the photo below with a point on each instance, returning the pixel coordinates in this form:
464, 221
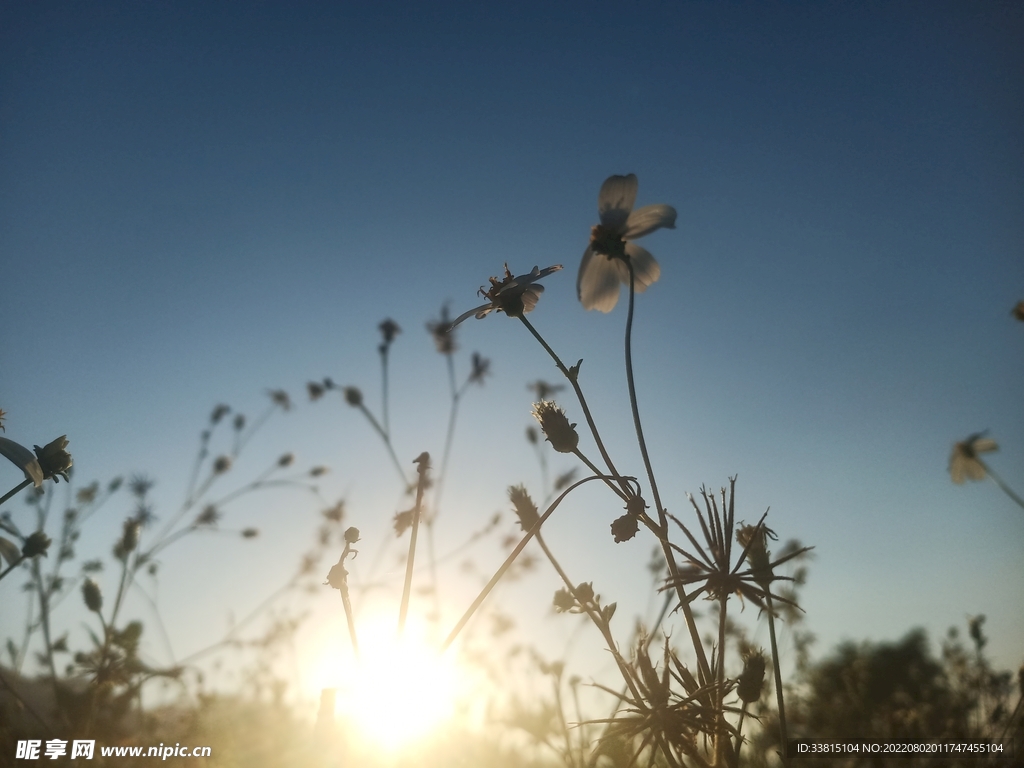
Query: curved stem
503, 569
684, 601
608, 480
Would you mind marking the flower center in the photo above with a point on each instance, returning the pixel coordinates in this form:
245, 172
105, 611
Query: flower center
608, 242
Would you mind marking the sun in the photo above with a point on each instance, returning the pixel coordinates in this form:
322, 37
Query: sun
399, 690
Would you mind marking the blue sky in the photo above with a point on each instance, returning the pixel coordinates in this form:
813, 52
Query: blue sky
200, 201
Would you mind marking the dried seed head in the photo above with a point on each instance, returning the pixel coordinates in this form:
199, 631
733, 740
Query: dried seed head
219, 413
585, 591
315, 390
564, 601
221, 465
280, 398
286, 460
93, 596
402, 522
757, 555
351, 535
624, 528
526, 510
751, 680
481, 368
353, 396
250, 533
337, 576
442, 332
36, 544
209, 516
556, 427
389, 329
130, 536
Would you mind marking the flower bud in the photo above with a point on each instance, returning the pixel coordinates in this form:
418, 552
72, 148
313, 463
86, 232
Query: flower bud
54, 459
36, 544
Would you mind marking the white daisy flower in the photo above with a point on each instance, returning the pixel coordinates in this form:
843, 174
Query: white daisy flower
513, 295
604, 263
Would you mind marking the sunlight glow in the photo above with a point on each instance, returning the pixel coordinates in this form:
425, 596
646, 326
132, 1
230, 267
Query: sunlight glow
400, 691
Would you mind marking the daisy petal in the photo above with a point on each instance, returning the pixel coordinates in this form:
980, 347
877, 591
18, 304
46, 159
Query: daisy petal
23, 458
615, 200
645, 220
479, 312
645, 268
597, 284
530, 297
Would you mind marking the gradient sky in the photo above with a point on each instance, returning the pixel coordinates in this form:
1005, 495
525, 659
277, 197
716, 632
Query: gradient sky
200, 201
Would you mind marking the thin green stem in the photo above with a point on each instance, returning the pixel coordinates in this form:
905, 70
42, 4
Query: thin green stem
16, 489
44, 620
27, 706
597, 620
996, 478
384, 388
571, 378
423, 463
503, 569
569, 757
12, 566
608, 481
204, 442
721, 737
346, 601
387, 443
739, 731
684, 601
778, 677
